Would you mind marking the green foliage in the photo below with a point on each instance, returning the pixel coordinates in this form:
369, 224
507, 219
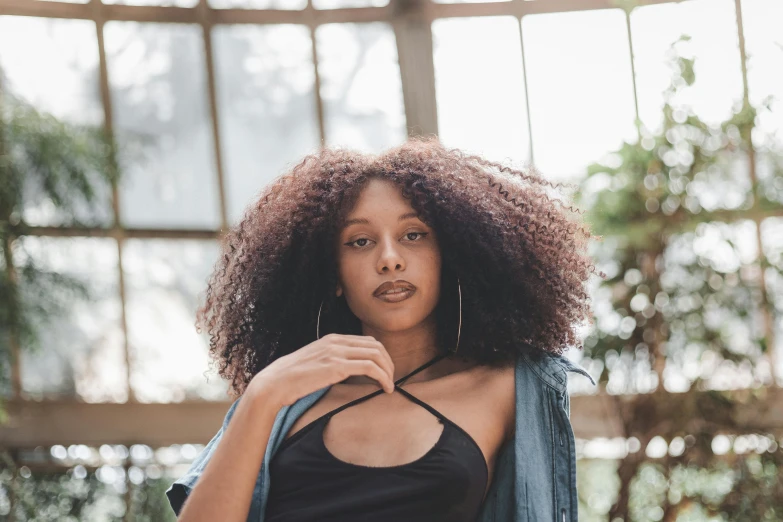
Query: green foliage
649, 203
674, 209
45, 158
43, 161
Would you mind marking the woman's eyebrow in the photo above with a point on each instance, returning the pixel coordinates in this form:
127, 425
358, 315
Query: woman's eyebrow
363, 221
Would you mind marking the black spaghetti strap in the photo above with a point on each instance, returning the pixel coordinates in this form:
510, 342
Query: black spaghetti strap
422, 404
302, 431
396, 386
422, 367
445, 420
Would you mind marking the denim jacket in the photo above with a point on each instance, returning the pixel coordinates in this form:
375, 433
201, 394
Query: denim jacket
535, 472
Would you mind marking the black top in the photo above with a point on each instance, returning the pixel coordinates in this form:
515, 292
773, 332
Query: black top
308, 483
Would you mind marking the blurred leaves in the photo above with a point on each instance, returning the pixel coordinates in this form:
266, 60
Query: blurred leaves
685, 309
63, 161
42, 159
77, 494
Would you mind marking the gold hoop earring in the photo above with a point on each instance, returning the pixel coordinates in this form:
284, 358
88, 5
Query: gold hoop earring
459, 325
318, 324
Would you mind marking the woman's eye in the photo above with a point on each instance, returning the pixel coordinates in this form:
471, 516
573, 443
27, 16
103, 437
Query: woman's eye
351, 243
363, 241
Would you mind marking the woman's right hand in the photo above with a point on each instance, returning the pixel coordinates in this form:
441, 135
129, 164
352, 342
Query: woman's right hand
326, 361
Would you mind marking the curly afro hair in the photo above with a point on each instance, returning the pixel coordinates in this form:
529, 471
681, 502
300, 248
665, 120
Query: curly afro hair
520, 257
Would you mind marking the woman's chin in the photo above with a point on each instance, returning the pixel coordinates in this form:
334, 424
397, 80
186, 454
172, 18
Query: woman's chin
400, 324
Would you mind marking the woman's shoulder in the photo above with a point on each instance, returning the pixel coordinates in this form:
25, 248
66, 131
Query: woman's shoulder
496, 387
497, 379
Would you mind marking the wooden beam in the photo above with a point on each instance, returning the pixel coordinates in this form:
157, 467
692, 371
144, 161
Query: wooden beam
117, 232
51, 422
429, 11
66, 422
417, 73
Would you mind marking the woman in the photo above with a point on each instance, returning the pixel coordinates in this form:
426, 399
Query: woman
452, 283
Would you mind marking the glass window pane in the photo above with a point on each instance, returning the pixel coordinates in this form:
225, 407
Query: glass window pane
581, 91
161, 116
337, 4
266, 100
360, 86
63, 83
487, 117
81, 345
763, 20
64, 80
174, 3
714, 46
164, 282
258, 4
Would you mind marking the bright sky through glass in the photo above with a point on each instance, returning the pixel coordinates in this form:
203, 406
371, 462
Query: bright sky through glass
581, 90
361, 87
763, 21
266, 105
63, 49
479, 86
714, 46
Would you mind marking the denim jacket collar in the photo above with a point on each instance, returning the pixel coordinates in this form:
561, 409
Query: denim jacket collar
552, 369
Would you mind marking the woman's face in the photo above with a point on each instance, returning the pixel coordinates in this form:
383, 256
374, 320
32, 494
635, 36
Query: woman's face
384, 241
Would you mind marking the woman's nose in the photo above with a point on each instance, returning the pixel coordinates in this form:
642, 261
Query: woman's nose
390, 257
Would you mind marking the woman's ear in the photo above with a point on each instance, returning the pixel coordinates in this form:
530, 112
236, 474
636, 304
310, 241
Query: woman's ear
339, 291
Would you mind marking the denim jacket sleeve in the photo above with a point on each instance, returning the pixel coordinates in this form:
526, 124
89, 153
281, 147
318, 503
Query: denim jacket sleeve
284, 419
181, 488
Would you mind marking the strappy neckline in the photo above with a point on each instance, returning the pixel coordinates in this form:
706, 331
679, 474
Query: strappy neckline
289, 440
323, 419
302, 431
396, 386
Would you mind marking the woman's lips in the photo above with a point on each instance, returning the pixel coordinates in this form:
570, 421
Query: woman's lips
395, 296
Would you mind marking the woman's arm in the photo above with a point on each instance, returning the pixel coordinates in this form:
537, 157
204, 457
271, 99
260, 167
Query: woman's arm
225, 489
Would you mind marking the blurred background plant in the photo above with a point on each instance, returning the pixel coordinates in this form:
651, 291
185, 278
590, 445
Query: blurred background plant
44, 162
693, 303
67, 168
